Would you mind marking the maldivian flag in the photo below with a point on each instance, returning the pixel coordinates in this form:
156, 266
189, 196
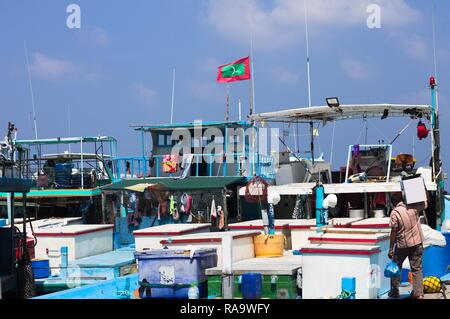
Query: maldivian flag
235, 71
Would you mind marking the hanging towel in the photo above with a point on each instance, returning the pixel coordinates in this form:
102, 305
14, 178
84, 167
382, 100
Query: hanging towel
213, 209
171, 205
188, 204
221, 214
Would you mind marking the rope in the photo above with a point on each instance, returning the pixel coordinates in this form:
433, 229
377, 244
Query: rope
378, 130
360, 133
345, 294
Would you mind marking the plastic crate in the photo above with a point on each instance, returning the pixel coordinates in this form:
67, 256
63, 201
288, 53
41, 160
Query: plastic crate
273, 286
169, 273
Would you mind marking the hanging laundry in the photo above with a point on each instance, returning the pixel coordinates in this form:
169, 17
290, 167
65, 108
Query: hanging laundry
213, 209
221, 214
422, 131
379, 200
170, 163
186, 201
171, 205
175, 215
188, 204
162, 208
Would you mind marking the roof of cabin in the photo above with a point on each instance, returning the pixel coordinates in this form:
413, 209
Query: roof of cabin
219, 124
326, 113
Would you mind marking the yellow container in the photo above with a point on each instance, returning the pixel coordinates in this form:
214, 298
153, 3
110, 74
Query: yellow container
269, 245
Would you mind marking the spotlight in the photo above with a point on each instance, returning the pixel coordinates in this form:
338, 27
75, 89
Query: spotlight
332, 102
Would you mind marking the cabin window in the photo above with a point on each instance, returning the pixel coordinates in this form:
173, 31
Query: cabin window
165, 140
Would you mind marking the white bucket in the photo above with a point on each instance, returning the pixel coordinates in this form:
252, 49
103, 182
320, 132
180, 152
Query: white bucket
378, 213
356, 213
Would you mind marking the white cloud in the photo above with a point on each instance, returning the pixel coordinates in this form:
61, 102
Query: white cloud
280, 24
93, 76
284, 75
143, 94
94, 35
209, 65
414, 45
43, 66
207, 91
355, 69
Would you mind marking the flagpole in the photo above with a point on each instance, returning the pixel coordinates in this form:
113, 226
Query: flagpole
227, 109
173, 95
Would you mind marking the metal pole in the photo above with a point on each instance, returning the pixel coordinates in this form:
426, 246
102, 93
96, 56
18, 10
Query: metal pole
240, 110
13, 252
82, 165
309, 78
252, 69
24, 220
68, 126
307, 53
173, 96
31, 91
227, 107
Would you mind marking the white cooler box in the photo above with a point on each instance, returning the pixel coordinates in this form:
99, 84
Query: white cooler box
324, 266
241, 241
81, 241
150, 238
376, 239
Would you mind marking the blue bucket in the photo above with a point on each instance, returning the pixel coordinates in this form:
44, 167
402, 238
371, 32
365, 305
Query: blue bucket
41, 268
251, 285
436, 259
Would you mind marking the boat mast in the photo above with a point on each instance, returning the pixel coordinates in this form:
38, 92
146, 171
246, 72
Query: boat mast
311, 126
435, 131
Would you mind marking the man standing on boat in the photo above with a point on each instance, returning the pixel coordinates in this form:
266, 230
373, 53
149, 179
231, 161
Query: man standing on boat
407, 237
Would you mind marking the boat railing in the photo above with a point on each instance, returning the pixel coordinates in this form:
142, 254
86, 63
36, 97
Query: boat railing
232, 164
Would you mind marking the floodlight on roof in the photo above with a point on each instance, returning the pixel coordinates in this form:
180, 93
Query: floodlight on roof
332, 102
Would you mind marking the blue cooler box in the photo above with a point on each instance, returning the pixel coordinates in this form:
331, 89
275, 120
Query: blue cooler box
169, 273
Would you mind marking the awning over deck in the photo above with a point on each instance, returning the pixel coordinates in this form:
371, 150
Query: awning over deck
194, 182
66, 140
57, 193
350, 111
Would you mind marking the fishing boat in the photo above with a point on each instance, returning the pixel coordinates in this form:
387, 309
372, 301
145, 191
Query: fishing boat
66, 184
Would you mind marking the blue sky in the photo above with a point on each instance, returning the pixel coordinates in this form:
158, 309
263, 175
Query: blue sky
116, 70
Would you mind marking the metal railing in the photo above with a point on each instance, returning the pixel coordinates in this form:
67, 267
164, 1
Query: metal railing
233, 164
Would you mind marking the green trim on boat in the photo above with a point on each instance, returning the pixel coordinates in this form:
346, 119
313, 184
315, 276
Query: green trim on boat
35, 193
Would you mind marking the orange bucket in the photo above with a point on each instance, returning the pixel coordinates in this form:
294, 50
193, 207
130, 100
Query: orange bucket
269, 245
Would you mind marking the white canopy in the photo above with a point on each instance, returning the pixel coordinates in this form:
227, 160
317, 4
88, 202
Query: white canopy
351, 111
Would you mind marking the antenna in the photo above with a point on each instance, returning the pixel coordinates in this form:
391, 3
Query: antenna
434, 55
173, 96
68, 125
251, 66
307, 53
31, 91
311, 126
